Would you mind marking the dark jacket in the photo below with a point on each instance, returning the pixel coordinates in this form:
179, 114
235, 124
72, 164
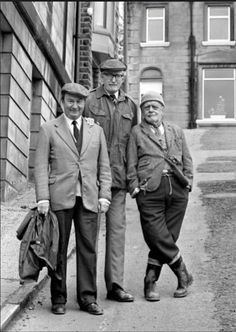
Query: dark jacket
146, 157
39, 244
116, 118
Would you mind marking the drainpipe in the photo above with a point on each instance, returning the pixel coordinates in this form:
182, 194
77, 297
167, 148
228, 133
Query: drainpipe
77, 41
125, 45
192, 46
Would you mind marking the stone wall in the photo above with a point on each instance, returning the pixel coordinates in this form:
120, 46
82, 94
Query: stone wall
16, 74
30, 95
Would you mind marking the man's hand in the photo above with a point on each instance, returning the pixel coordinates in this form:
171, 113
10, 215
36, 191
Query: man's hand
135, 192
43, 207
189, 187
103, 205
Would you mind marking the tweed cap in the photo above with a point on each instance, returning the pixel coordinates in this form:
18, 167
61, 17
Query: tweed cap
75, 89
112, 65
152, 96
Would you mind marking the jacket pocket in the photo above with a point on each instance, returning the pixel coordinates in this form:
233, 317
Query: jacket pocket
126, 122
99, 115
143, 163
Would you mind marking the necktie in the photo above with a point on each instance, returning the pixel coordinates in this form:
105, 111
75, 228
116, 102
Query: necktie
76, 130
113, 97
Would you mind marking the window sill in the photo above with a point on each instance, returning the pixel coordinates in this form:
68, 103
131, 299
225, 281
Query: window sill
211, 122
155, 44
218, 43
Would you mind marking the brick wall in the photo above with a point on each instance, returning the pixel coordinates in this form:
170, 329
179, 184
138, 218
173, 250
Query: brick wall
85, 56
172, 60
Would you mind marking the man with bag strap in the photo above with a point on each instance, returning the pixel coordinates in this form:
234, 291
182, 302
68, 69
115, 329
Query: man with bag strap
160, 175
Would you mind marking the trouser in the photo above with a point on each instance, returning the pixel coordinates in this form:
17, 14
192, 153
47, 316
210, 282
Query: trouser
115, 239
86, 231
161, 213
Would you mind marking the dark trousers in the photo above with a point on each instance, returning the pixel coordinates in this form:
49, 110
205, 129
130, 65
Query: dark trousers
86, 231
161, 213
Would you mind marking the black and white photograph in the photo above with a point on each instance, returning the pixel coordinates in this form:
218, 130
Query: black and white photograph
118, 166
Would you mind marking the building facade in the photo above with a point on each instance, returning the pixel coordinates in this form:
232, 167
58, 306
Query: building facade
44, 44
187, 51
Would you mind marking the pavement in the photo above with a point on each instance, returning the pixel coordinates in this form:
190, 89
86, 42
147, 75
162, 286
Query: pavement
14, 296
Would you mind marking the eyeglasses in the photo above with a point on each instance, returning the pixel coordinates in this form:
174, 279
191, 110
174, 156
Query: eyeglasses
110, 75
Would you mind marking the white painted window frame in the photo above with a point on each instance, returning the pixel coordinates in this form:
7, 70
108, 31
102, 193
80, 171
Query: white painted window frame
216, 42
152, 19
217, 79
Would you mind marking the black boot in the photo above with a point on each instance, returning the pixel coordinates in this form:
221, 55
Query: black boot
185, 279
152, 275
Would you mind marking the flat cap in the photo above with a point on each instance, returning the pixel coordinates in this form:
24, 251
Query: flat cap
75, 89
112, 65
152, 96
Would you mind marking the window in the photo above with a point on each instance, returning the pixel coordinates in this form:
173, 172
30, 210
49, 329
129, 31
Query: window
151, 79
100, 14
155, 26
219, 93
219, 25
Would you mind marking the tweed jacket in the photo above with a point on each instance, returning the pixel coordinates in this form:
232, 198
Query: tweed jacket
58, 165
116, 118
145, 157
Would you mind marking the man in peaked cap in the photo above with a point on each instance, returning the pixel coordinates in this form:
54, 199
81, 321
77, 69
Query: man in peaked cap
160, 174
74, 89
116, 113
71, 158
112, 65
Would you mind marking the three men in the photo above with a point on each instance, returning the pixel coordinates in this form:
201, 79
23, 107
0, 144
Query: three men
160, 174
116, 113
73, 177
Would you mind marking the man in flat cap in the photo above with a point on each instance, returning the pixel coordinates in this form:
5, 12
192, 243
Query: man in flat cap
116, 113
160, 175
71, 160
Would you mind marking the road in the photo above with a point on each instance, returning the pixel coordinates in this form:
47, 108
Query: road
199, 311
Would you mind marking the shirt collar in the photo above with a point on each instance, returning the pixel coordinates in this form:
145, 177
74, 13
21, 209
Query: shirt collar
116, 94
69, 121
161, 129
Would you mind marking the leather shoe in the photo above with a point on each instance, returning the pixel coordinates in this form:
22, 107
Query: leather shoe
93, 309
58, 309
119, 295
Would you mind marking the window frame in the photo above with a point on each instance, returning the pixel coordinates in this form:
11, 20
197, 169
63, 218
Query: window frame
230, 41
157, 18
217, 79
144, 33
211, 17
151, 75
104, 26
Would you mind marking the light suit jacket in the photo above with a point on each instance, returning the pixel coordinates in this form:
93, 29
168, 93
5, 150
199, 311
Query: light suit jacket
58, 166
146, 157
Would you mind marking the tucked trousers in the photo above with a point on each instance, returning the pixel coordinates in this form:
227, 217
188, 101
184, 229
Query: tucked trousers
115, 239
161, 213
86, 233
